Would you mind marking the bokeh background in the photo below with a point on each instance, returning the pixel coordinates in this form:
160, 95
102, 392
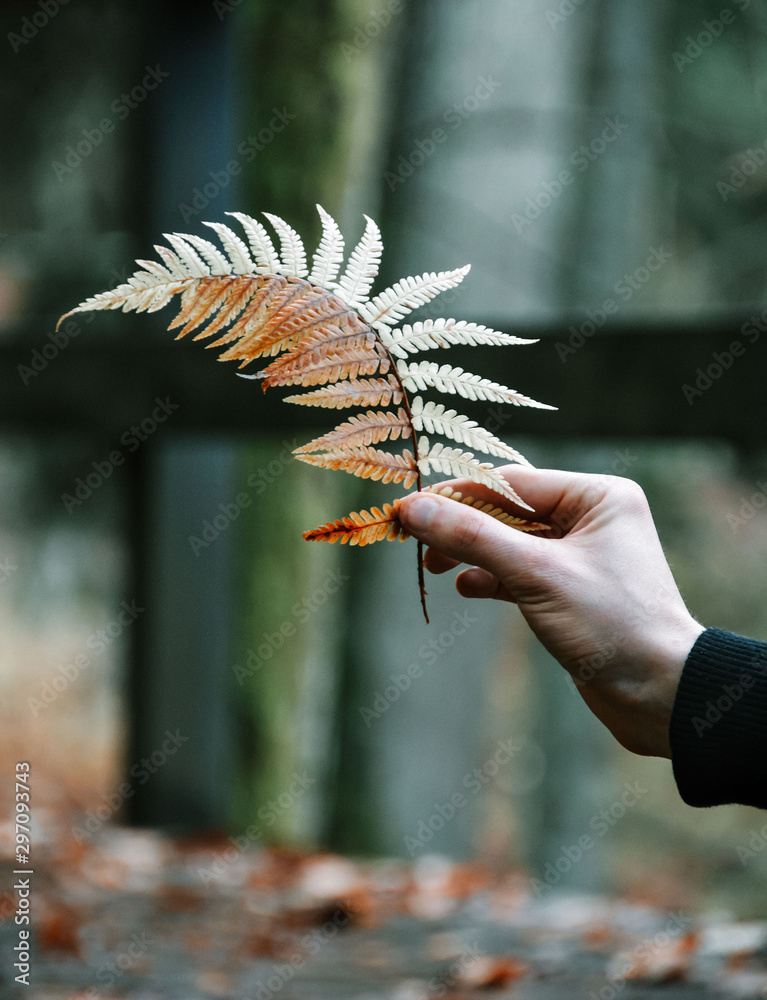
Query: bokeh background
602, 165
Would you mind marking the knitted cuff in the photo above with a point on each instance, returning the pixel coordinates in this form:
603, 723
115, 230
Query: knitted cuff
718, 730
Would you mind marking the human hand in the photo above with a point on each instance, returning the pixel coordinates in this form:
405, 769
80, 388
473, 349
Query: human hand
598, 593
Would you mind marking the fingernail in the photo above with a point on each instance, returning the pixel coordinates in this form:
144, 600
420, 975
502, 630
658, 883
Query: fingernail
420, 511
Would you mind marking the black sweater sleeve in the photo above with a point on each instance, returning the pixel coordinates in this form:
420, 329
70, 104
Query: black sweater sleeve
718, 728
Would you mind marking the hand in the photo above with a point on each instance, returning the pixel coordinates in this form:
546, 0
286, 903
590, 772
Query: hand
598, 592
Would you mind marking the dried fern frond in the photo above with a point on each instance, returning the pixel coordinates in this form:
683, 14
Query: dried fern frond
358, 392
369, 463
368, 428
436, 419
361, 528
444, 333
410, 293
343, 363
487, 508
320, 327
313, 348
463, 465
367, 526
428, 374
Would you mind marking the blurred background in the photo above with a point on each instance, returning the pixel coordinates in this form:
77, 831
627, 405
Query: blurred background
603, 167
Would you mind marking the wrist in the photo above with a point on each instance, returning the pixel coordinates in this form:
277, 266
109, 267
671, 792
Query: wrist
665, 659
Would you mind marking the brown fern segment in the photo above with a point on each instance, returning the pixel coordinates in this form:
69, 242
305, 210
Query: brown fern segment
361, 527
312, 348
367, 526
295, 312
267, 314
520, 523
282, 321
203, 300
366, 428
357, 392
206, 296
340, 363
368, 463
323, 328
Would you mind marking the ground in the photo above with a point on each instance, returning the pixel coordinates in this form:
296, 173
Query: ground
133, 914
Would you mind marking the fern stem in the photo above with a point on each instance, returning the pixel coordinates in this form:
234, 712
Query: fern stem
421, 582
418, 482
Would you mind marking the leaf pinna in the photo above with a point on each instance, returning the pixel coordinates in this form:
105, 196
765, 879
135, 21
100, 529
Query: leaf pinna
324, 332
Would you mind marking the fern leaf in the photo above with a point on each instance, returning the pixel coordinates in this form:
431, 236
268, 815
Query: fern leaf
434, 418
312, 348
317, 318
266, 257
391, 305
141, 282
488, 508
463, 465
235, 248
217, 262
361, 528
293, 254
427, 374
333, 366
366, 428
208, 299
251, 301
268, 292
200, 305
242, 292
129, 298
362, 268
172, 263
344, 363
442, 333
161, 297
321, 314
276, 324
368, 526
269, 322
186, 254
359, 392
157, 271
203, 300
368, 463
266, 326
329, 254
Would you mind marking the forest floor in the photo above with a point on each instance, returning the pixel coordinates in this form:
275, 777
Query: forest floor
131, 914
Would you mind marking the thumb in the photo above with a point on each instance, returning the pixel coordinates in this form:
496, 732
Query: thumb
466, 534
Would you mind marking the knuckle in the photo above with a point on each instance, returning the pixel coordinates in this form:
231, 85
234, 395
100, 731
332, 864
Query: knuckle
628, 493
469, 531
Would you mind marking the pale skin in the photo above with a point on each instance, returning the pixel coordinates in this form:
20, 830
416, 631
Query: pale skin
600, 597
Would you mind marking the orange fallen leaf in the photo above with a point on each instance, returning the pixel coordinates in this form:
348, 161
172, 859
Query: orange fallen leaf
57, 929
487, 971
